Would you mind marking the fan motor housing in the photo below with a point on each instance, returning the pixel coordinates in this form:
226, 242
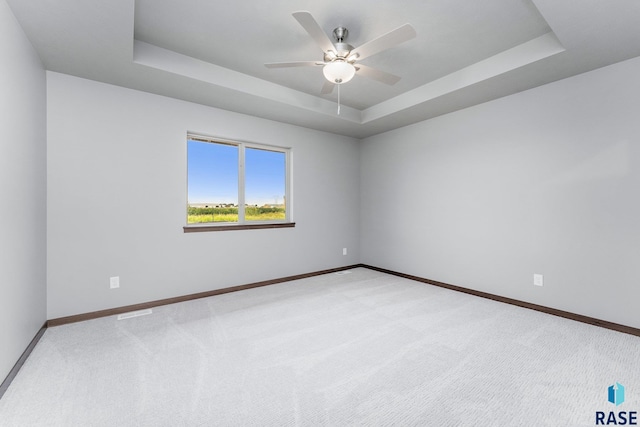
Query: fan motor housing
343, 50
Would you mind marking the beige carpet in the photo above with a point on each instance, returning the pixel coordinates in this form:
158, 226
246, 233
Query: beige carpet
363, 348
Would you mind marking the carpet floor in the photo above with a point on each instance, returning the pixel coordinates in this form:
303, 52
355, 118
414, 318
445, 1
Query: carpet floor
359, 349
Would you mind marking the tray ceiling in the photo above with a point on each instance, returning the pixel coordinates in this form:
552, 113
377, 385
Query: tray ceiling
213, 53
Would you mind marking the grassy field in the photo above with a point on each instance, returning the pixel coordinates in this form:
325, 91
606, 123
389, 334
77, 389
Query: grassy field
204, 215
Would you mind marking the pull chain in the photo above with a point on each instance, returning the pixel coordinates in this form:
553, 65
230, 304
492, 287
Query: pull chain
339, 99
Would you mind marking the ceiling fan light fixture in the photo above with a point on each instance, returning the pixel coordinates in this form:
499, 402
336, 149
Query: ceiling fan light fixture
338, 71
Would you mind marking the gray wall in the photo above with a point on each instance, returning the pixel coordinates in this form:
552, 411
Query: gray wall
545, 181
22, 192
117, 194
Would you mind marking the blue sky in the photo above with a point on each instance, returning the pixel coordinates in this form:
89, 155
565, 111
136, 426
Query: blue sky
213, 174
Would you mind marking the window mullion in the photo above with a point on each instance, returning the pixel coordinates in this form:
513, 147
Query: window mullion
241, 176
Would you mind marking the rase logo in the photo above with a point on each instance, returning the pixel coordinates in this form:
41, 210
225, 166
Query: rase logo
615, 395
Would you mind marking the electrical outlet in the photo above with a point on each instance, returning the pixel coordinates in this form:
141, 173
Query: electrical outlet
114, 282
344, 251
538, 280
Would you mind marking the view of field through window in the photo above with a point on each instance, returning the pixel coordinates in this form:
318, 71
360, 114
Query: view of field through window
213, 183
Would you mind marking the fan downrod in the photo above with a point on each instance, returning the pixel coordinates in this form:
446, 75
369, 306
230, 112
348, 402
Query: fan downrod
340, 34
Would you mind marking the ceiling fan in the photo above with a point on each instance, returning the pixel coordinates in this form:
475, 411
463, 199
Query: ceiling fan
341, 60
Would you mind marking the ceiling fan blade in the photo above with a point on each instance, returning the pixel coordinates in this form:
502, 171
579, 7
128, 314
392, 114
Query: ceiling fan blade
375, 74
385, 41
293, 64
315, 31
327, 87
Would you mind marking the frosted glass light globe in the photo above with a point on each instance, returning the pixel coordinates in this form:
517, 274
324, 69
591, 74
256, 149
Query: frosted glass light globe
339, 71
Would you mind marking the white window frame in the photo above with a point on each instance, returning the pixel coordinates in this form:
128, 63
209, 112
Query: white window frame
242, 146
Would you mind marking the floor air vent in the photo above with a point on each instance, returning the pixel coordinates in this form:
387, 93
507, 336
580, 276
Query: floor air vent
134, 314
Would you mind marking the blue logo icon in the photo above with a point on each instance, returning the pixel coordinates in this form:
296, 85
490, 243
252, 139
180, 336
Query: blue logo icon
616, 394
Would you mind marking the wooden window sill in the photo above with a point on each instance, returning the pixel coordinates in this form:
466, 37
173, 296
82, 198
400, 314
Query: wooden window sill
205, 228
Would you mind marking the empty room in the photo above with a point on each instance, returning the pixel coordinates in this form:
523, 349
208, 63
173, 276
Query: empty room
294, 213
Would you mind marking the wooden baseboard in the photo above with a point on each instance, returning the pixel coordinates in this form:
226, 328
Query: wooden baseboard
14, 371
567, 315
135, 307
142, 306
145, 305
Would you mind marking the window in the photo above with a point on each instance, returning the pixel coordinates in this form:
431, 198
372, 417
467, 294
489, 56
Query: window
236, 184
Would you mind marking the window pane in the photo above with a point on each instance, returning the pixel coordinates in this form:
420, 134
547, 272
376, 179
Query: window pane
212, 192
265, 177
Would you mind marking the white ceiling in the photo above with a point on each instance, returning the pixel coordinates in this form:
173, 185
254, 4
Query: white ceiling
212, 52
